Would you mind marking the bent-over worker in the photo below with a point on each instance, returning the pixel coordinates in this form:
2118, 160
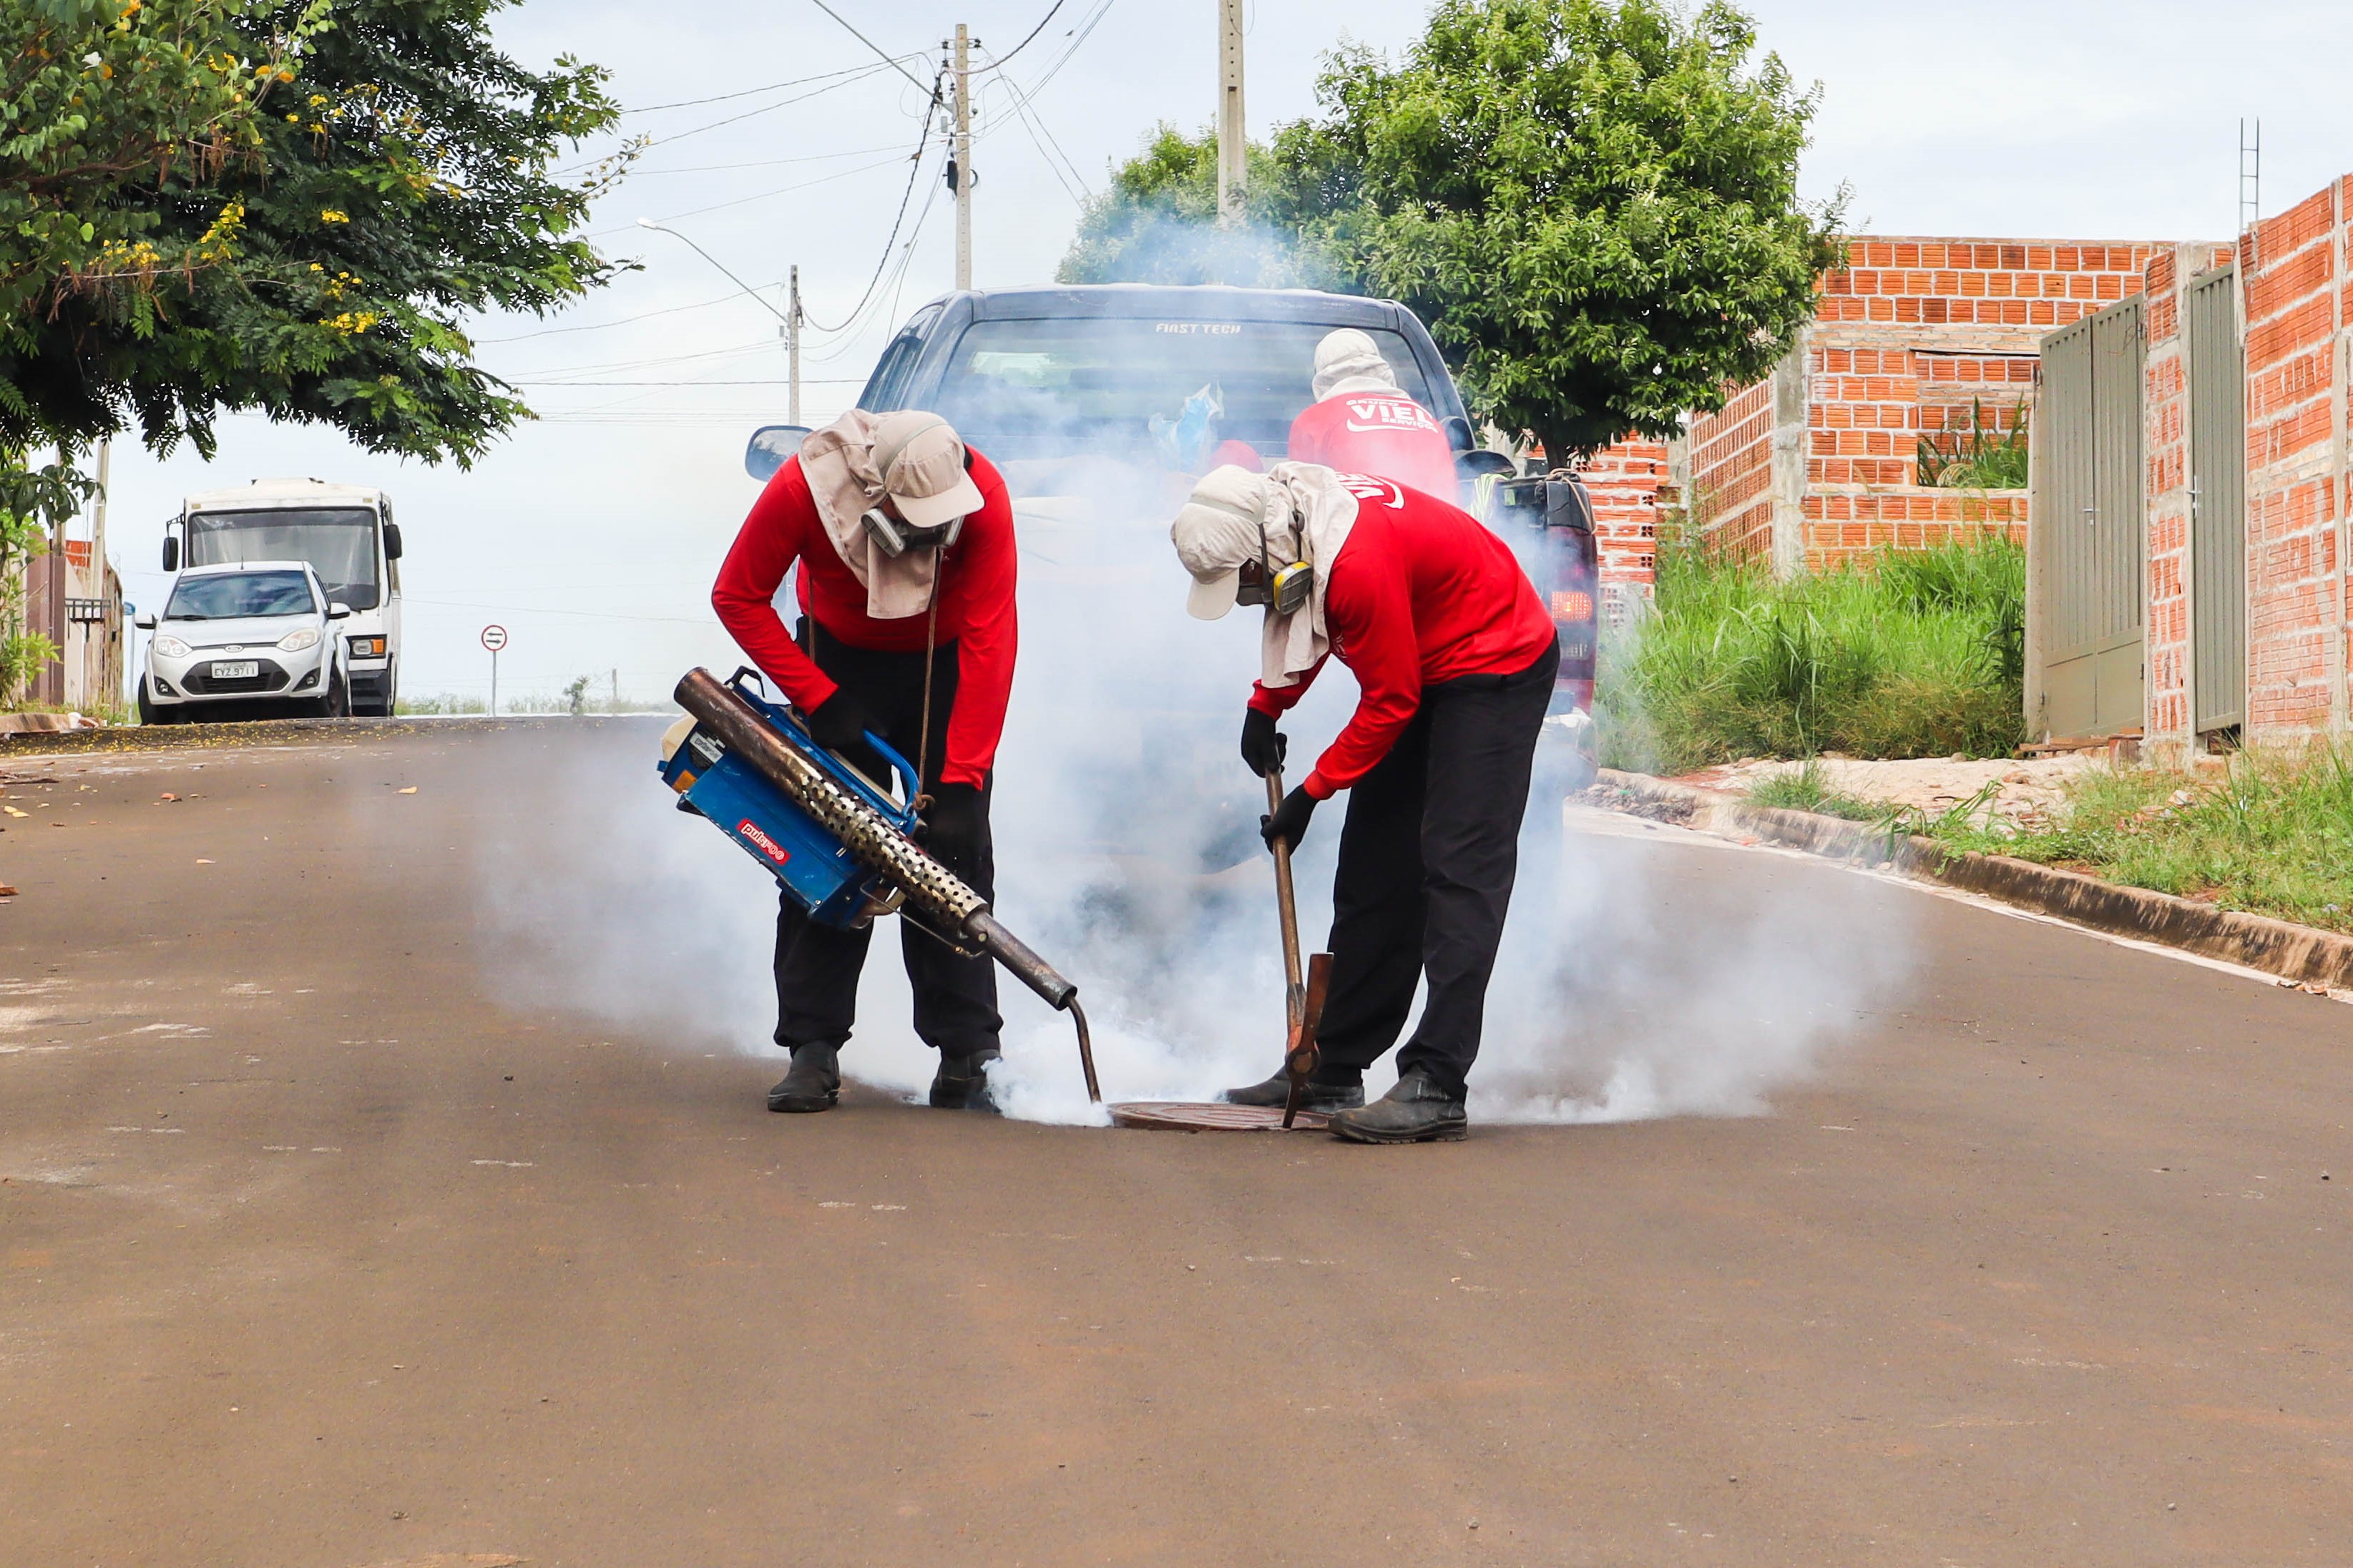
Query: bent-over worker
1363, 423
904, 539
1455, 658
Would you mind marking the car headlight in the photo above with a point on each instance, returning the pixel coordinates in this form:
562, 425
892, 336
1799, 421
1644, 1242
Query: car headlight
295, 642
170, 647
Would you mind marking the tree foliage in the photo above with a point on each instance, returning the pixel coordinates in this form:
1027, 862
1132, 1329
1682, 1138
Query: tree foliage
1593, 204
280, 206
1158, 224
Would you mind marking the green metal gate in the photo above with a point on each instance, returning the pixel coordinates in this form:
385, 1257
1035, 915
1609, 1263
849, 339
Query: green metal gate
2218, 486
2087, 527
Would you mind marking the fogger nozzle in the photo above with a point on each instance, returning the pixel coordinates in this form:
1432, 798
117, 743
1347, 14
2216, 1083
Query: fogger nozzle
940, 900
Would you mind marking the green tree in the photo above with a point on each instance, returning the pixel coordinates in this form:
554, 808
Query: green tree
309, 250
1158, 224
1593, 204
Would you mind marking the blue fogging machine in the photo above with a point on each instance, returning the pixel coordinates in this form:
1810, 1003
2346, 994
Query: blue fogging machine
842, 847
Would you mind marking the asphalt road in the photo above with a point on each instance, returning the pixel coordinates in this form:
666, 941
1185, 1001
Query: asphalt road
324, 1247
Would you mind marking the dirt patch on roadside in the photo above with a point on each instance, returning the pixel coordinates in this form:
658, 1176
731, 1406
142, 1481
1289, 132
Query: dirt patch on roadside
2028, 793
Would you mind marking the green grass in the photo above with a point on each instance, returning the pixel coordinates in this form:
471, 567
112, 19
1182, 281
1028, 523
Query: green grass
2275, 838
1808, 790
1919, 653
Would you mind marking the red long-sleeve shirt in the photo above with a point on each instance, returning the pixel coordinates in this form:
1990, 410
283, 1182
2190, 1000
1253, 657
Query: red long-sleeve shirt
1383, 433
1420, 593
976, 592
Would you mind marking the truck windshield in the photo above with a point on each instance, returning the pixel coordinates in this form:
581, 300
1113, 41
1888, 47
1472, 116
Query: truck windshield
338, 543
233, 594
1093, 384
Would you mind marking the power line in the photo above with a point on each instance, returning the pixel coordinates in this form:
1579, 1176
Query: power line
1033, 33
914, 174
764, 162
869, 43
750, 91
757, 197
767, 107
602, 326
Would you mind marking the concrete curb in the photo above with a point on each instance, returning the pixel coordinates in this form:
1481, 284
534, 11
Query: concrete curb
2298, 954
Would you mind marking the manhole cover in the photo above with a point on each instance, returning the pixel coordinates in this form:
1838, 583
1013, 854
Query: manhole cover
1192, 1116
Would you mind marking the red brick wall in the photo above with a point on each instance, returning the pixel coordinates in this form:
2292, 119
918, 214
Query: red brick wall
2294, 305
2038, 284
1863, 416
1908, 335
1732, 475
1625, 481
1841, 526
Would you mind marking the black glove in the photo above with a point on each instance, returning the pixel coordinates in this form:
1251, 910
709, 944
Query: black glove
1263, 745
1290, 819
956, 826
839, 724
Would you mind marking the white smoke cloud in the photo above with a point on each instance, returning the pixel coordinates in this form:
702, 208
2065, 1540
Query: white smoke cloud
1127, 854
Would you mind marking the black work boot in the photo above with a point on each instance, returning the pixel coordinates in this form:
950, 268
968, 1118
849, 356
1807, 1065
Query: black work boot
962, 1082
1417, 1110
813, 1084
1321, 1098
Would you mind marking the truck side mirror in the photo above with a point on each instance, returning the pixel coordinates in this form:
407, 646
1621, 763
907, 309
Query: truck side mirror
1474, 464
1458, 434
171, 552
770, 446
146, 623
392, 540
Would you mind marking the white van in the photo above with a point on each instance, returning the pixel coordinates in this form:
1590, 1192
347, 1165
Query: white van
347, 535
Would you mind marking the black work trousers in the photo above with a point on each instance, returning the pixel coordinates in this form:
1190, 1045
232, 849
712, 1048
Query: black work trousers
1427, 859
817, 966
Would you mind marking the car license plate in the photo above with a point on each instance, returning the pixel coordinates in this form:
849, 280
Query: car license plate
236, 668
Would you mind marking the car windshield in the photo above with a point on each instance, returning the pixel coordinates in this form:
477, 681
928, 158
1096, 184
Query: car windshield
339, 543
230, 595
1092, 384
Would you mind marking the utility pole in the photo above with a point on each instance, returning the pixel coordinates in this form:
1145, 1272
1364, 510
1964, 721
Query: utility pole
1233, 149
963, 161
792, 347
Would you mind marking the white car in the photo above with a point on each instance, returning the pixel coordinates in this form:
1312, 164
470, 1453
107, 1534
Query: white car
240, 640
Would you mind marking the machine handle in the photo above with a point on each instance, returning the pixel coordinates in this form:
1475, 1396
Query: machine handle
910, 786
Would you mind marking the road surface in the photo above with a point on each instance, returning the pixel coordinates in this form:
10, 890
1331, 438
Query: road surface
325, 1247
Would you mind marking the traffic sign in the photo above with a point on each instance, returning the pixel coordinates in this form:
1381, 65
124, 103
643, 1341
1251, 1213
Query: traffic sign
495, 637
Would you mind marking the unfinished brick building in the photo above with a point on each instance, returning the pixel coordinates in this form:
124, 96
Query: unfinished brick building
1819, 463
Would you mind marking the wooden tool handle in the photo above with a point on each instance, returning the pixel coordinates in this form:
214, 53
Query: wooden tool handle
1287, 907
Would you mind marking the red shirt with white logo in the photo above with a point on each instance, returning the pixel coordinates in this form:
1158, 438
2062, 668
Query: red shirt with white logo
1420, 593
977, 612
1383, 433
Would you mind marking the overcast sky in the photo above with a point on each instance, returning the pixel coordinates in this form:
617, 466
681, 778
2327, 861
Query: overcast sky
593, 534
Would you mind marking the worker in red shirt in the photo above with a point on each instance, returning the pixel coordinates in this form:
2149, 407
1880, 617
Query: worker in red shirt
1454, 658
1361, 423
904, 540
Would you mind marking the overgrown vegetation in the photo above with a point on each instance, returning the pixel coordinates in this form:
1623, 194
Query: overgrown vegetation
1983, 456
2273, 836
1807, 788
1918, 653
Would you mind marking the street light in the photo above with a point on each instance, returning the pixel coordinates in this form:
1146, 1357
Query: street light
791, 320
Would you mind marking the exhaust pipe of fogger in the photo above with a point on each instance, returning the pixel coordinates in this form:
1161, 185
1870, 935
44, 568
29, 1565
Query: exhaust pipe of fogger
940, 900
